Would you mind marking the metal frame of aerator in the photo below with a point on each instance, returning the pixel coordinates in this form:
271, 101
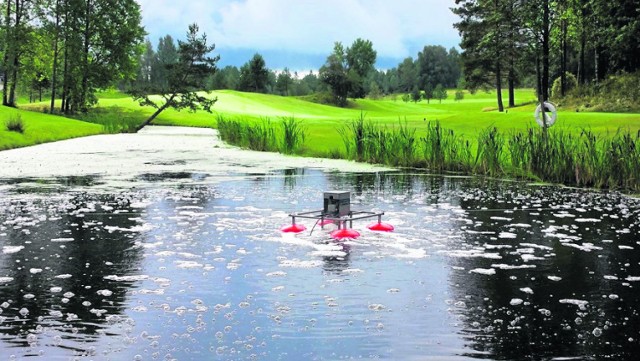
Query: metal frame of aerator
321, 216
337, 208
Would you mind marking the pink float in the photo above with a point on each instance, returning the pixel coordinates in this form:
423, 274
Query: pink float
345, 233
337, 210
294, 228
381, 227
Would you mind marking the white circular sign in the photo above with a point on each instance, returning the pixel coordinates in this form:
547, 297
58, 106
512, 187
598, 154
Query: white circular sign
550, 114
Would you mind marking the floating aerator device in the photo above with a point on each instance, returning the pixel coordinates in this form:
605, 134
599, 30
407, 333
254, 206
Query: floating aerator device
337, 210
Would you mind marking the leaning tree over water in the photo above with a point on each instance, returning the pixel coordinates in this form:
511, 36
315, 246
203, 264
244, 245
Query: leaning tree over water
186, 79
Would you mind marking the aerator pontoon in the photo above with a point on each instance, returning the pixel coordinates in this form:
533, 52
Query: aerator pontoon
337, 210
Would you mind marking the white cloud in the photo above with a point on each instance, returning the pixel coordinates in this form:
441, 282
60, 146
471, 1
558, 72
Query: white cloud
397, 28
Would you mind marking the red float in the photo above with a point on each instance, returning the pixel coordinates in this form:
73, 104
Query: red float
294, 228
381, 227
345, 233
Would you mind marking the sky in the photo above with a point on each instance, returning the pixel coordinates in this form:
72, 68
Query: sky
299, 34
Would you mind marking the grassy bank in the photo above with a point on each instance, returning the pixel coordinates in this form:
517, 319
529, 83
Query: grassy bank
466, 118
583, 159
39, 128
467, 136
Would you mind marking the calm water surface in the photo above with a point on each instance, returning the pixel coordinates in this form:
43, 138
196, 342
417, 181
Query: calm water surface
477, 269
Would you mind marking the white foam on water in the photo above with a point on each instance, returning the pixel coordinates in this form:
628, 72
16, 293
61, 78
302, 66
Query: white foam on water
533, 245
527, 290
377, 307
105, 293
187, 264
134, 229
497, 246
564, 215
519, 225
199, 148
475, 253
516, 301
12, 249
34, 271
126, 278
580, 303
296, 263
484, 271
63, 276
145, 291
62, 240
508, 235
5, 279
529, 257
633, 278
554, 278
512, 267
586, 247
495, 218
328, 253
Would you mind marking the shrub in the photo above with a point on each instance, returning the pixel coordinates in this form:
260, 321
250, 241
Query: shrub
15, 124
571, 83
459, 95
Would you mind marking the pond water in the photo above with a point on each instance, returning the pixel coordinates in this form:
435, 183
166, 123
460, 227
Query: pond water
186, 261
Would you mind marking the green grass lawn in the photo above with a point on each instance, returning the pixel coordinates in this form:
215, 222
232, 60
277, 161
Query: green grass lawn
41, 128
468, 117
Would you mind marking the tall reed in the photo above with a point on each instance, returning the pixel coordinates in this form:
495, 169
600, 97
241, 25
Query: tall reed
293, 135
444, 151
353, 137
489, 157
584, 159
258, 136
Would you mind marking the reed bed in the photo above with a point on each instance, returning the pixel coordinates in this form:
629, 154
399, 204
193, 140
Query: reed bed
264, 135
581, 159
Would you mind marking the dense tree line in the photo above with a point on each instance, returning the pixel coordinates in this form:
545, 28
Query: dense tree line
348, 73
67, 48
514, 41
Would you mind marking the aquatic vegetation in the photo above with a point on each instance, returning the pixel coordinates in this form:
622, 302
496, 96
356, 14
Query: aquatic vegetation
293, 135
263, 135
557, 156
353, 136
489, 159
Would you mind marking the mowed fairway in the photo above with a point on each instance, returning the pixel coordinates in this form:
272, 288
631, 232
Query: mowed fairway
475, 113
467, 118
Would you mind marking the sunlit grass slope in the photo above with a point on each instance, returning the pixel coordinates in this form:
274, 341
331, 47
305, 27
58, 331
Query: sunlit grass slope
476, 112
41, 128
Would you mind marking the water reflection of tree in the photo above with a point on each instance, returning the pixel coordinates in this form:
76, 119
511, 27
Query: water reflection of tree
542, 327
291, 177
94, 253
